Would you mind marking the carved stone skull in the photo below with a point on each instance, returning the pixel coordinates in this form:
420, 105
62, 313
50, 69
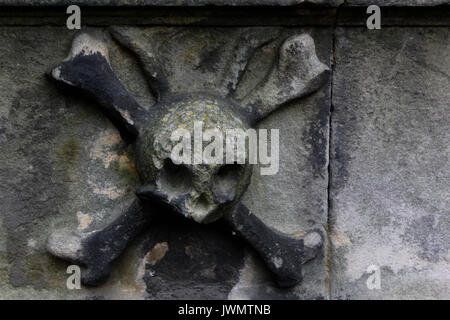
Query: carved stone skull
202, 192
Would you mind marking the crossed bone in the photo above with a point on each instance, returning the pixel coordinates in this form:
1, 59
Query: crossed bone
296, 73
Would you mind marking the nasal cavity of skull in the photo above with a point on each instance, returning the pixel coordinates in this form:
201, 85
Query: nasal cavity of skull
174, 180
201, 206
226, 182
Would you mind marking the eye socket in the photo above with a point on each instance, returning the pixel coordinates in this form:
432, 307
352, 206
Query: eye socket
230, 170
226, 182
175, 179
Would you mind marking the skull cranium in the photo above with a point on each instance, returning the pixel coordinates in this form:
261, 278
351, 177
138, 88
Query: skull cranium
200, 191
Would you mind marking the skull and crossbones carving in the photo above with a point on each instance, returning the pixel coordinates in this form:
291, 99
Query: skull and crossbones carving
201, 192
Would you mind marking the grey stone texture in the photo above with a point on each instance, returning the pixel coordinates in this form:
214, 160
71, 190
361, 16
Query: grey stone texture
64, 165
378, 187
295, 199
390, 147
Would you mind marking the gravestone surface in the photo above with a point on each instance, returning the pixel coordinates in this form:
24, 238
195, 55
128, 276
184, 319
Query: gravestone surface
389, 163
75, 171
364, 159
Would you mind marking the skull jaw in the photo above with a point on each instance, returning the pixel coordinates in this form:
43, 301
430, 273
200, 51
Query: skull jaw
196, 210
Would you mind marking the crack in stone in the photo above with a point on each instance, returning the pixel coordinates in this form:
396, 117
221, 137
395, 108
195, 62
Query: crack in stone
328, 228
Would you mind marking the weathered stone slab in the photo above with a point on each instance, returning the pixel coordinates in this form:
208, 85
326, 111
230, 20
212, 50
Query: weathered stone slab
63, 164
390, 150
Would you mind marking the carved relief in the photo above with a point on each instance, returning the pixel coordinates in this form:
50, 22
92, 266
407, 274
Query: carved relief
204, 193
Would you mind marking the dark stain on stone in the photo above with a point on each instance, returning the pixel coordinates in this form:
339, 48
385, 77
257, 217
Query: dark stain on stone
70, 150
127, 169
317, 132
202, 261
209, 60
316, 135
340, 160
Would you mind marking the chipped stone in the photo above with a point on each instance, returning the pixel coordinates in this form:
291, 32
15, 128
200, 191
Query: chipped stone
84, 220
157, 253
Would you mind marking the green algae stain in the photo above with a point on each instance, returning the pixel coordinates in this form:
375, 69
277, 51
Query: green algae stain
69, 151
125, 169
